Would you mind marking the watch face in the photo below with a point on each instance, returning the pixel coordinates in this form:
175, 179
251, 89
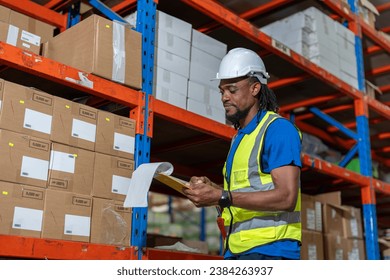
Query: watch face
224, 201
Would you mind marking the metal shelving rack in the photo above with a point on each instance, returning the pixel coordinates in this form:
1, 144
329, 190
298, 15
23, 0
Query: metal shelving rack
147, 110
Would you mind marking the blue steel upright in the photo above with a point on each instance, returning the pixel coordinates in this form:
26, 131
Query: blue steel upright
146, 20
364, 148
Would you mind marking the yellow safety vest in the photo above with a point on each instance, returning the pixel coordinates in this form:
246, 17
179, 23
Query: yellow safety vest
250, 229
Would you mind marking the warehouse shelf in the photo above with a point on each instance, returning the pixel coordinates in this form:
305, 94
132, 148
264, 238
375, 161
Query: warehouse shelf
188, 146
37, 11
39, 248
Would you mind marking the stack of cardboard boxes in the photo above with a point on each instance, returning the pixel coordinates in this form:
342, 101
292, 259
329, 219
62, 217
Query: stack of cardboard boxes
321, 40
102, 47
66, 168
186, 61
331, 231
23, 31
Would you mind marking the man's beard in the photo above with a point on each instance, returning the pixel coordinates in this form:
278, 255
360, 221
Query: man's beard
237, 116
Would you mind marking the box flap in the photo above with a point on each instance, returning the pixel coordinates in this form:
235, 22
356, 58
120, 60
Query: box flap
370, 6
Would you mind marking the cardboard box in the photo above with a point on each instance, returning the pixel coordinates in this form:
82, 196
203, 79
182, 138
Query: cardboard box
355, 249
368, 12
311, 213
204, 93
203, 67
173, 44
111, 222
208, 44
20, 38
352, 221
71, 169
74, 124
112, 176
333, 221
23, 31
330, 197
173, 25
171, 62
21, 209
40, 28
312, 245
170, 96
67, 216
26, 110
207, 111
105, 48
170, 80
334, 247
24, 159
115, 135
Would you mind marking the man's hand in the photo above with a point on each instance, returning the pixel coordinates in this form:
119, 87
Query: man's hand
202, 191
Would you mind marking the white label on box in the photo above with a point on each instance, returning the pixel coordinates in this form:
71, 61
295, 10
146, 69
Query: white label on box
354, 227
84, 130
27, 46
12, 36
281, 47
30, 38
34, 168
37, 121
339, 254
0, 104
124, 143
62, 162
318, 207
311, 219
27, 218
77, 225
120, 184
354, 254
312, 252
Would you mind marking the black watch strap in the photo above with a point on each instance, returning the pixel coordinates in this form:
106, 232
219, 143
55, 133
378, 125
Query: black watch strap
225, 200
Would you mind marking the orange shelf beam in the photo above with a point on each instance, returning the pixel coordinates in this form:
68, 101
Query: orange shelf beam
66, 75
288, 81
378, 71
192, 120
39, 248
383, 7
375, 36
385, 88
236, 23
248, 14
124, 6
377, 106
310, 102
345, 174
340, 8
59, 5
327, 111
36, 11
372, 50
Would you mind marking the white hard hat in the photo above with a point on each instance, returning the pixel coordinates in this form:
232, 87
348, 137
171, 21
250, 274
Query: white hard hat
241, 62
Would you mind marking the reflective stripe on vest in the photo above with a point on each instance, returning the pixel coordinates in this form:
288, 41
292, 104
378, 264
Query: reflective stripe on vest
252, 228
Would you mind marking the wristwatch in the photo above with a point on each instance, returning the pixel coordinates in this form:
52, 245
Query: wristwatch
225, 200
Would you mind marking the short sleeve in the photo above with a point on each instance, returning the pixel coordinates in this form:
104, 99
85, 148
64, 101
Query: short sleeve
282, 146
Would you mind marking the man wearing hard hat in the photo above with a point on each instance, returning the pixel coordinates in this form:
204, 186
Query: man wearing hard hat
260, 199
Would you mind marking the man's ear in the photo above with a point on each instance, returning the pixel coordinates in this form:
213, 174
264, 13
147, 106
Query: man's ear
256, 89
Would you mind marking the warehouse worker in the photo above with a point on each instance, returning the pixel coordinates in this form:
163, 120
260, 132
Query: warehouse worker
261, 193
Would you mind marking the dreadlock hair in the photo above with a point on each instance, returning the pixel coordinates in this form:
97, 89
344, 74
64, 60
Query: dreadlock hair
267, 98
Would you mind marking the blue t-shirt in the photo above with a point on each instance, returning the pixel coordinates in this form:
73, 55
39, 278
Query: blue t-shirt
282, 146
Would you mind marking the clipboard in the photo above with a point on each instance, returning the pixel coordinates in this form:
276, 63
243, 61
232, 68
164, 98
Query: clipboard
172, 182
